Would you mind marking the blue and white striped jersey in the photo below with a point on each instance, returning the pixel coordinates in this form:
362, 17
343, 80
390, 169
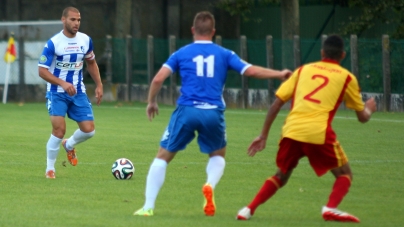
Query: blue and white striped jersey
203, 68
64, 57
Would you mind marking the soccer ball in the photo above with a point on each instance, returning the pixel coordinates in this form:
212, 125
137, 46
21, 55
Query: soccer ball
123, 169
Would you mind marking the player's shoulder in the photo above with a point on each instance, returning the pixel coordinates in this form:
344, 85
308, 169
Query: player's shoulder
56, 37
220, 48
83, 36
225, 50
55, 40
341, 70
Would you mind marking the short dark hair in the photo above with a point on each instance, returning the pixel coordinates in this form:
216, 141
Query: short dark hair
204, 23
333, 47
68, 9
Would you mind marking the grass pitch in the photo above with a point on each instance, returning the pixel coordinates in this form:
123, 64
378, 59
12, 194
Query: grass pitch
88, 194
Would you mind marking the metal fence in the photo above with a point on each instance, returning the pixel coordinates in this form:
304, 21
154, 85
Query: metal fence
377, 63
131, 64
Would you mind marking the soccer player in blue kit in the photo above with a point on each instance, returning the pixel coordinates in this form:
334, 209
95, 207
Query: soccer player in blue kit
203, 68
61, 65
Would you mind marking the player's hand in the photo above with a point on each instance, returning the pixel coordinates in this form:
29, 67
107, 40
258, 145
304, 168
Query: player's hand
69, 88
152, 109
370, 104
285, 74
99, 92
258, 144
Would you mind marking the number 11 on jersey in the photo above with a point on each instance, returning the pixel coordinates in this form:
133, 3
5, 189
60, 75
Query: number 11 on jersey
200, 66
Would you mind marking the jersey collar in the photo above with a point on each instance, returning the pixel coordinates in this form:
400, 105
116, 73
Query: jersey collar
329, 61
203, 41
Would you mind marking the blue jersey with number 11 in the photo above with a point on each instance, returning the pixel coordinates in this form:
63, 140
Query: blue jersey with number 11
203, 68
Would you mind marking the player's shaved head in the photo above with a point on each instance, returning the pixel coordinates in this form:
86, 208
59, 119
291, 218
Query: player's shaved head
333, 47
204, 23
69, 9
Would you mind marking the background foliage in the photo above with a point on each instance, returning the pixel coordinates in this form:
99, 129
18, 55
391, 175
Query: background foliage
371, 12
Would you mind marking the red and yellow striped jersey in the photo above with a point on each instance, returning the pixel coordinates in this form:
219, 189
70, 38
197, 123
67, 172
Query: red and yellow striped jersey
316, 91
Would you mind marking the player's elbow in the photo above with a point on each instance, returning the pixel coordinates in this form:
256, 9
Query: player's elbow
161, 76
277, 104
157, 81
252, 71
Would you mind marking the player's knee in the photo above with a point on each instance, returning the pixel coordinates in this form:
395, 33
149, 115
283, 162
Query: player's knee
284, 182
283, 177
59, 133
87, 126
90, 134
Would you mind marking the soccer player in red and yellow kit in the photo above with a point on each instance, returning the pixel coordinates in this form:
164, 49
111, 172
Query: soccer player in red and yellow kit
315, 90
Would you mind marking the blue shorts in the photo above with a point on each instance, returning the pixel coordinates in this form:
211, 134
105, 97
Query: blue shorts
186, 120
77, 107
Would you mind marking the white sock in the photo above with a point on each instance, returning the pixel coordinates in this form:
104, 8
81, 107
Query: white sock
50, 164
52, 150
154, 182
78, 137
214, 170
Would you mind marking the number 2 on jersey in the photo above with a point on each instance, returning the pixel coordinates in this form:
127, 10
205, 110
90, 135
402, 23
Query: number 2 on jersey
308, 97
210, 63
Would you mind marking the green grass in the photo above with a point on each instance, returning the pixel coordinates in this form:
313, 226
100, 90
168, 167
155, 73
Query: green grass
89, 195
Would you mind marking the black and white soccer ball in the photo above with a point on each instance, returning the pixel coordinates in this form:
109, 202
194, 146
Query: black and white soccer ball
123, 169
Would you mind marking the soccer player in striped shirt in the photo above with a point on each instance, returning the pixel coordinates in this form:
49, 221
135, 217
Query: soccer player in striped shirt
315, 90
203, 68
61, 65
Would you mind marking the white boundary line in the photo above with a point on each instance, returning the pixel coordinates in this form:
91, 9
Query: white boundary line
266, 163
250, 163
263, 113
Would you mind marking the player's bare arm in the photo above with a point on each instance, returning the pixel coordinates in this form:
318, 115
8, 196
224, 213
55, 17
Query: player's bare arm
259, 143
155, 86
94, 71
49, 77
266, 73
366, 113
